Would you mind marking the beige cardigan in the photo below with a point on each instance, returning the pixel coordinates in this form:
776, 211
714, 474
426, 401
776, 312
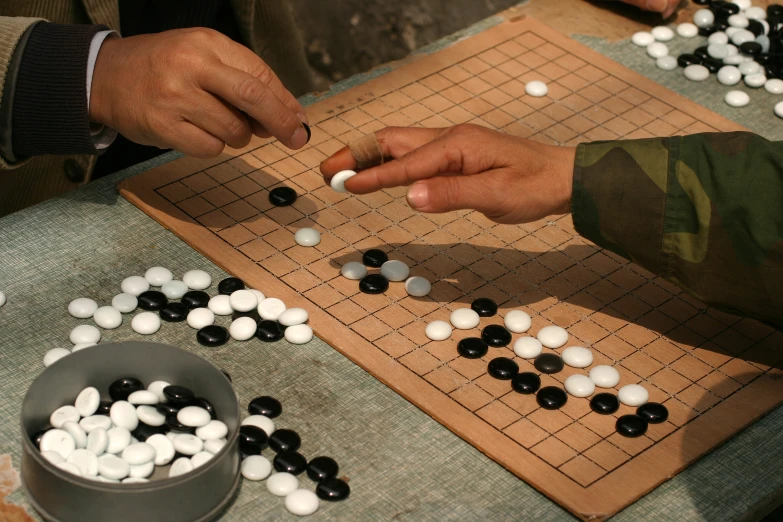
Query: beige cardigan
267, 28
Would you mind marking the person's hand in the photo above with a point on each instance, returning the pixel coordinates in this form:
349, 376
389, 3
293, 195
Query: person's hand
665, 7
508, 179
193, 90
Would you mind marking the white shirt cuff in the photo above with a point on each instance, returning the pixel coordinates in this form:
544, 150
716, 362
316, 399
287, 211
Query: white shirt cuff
102, 136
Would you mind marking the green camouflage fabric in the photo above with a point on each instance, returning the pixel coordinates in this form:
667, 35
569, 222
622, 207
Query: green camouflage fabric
703, 211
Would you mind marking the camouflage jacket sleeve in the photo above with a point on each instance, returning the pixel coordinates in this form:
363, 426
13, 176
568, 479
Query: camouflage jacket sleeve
704, 212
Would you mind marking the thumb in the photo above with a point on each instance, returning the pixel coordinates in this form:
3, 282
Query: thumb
448, 193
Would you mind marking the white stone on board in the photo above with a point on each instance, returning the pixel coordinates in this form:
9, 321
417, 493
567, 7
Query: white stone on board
517, 321
417, 286
243, 300
395, 270
552, 336
756, 80
353, 270
293, 317
577, 356
464, 318
302, 502
779, 109
536, 89
579, 385
633, 395
242, 328
282, 484
438, 330
528, 347
85, 333
307, 237
54, 355
198, 318
220, 305
718, 37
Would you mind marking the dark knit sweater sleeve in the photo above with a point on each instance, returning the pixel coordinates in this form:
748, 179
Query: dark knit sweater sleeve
50, 104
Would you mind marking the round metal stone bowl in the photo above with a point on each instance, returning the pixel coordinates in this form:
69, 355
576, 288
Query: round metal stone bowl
196, 496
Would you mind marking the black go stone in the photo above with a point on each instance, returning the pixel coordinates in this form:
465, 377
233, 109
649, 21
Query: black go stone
374, 284
321, 468
775, 10
145, 431
290, 462
168, 408
702, 2
104, 408
684, 60
152, 300
36, 437
484, 306
121, 388
502, 368
282, 196
284, 440
701, 53
763, 58
374, 258
269, 331
266, 406
195, 299
604, 403
212, 335
472, 348
252, 439
230, 285
707, 31
712, 64
551, 397
175, 425
178, 394
332, 489
174, 312
721, 24
631, 426
755, 27
201, 402
750, 48
548, 363
526, 383
253, 314
496, 336
653, 412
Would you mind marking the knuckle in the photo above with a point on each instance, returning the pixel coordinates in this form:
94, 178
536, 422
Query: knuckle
264, 73
250, 90
238, 131
465, 130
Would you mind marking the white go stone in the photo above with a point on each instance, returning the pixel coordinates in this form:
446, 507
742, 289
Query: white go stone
142, 471
438, 330
157, 387
577, 357
642, 38
748, 68
174, 289
308, 237
85, 333
734, 60
464, 318
579, 385
119, 439
158, 276
779, 109
213, 445
718, 51
282, 484
755, 80
73, 469
81, 346
258, 293
729, 75
53, 457
123, 414
256, 467
54, 355
198, 318
150, 416
98, 441
260, 421
633, 395
271, 308
164, 449
395, 270
703, 18
657, 49
517, 321
536, 89
737, 98
774, 86
124, 302
78, 434
194, 416
667, 63
146, 323
134, 480
731, 31
82, 308
353, 270
107, 317
2, 298
58, 441
755, 13
718, 37
743, 4
181, 466
764, 41
418, 286
243, 328
339, 179
64, 414
101, 478
214, 429
739, 20
302, 502
87, 401
221, 305
187, 444
528, 347
93, 422
696, 73
662, 33
138, 454
197, 279
200, 458
742, 36
299, 334
687, 30
243, 300
293, 317
604, 376
134, 285
552, 336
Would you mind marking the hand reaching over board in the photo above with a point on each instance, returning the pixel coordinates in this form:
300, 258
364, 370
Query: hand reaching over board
508, 179
665, 7
193, 90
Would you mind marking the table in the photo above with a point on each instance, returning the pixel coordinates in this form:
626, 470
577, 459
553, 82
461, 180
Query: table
402, 464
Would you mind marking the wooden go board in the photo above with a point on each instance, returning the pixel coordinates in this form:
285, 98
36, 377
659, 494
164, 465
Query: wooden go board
650, 331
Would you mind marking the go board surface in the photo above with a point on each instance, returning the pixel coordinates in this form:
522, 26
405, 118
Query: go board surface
714, 372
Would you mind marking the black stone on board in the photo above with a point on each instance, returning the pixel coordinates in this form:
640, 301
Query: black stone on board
723, 9
290, 462
604, 403
374, 284
526, 383
750, 48
121, 388
201, 402
712, 64
472, 348
684, 60
484, 306
374, 258
701, 53
152, 300
104, 408
755, 27
253, 314
551, 397
266, 406
252, 439
284, 440
653, 412
175, 425
321, 468
495, 335
333, 489
548, 363
282, 196
631, 426
707, 31
212, 335
178, 394
174, 312
169, 408
502, 368
230, 285
195, 299
145, 431
269, 331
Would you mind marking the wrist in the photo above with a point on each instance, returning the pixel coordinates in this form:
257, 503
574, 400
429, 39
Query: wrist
564, 174
100, 90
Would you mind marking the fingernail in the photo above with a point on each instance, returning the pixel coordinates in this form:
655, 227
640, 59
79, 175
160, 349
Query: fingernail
303, 117
300, 137
418, 196
309, 133
658, 6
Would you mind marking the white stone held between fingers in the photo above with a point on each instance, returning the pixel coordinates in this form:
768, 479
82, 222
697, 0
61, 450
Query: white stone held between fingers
260, 421
77, 432
243, 300
282, 484
302, 502
438, 330
271, 308
464, 318
633, 395
256, 467
82, 308
174, 289
299, 334
124, 302
243, 328
517, 321
197, 279
293, 317
737, 98
528, 347
536, 89
85, 333
58, 441
134, 285
552, 336
604, 376
87, 401
158, 276
54, 355
338, 180
395, 270
662, 33
308, 237
353, 270
220, 305
579, 385
181, 466
642, 38
146, 323
417, 286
